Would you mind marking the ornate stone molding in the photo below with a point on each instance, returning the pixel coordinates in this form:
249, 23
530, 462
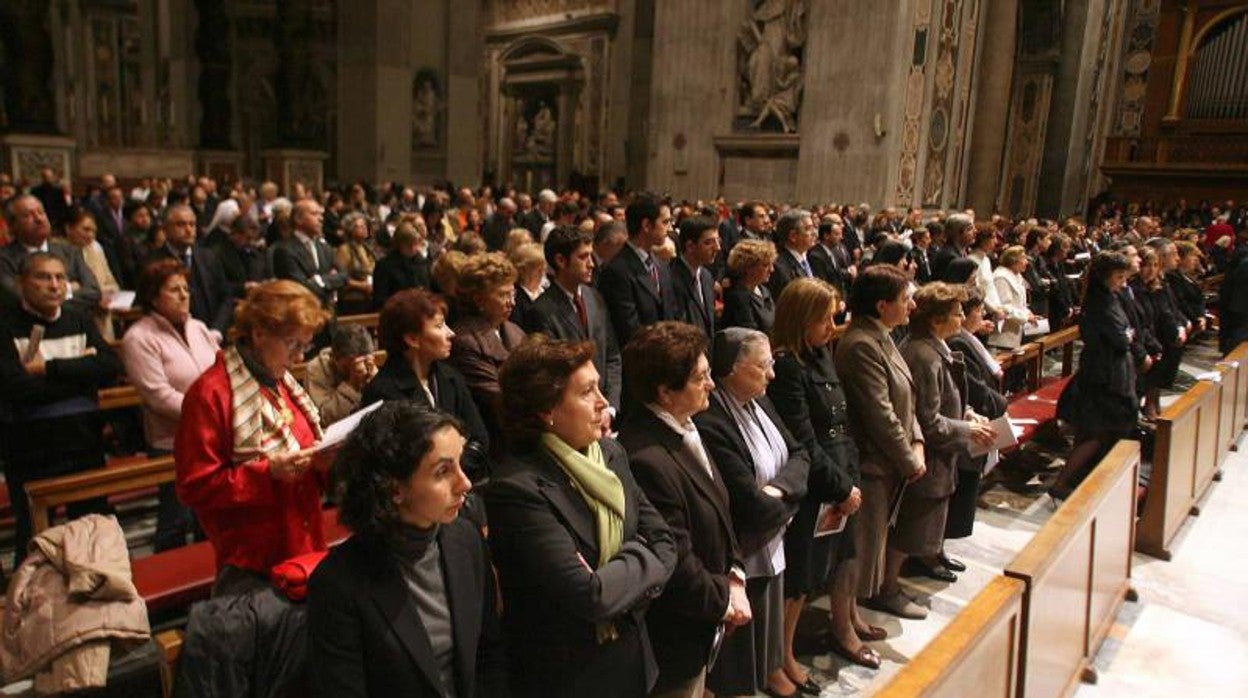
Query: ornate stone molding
758, 144
594, 22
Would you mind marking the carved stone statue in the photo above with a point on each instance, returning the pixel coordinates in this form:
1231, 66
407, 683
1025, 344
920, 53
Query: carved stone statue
770, 46
520, 139
542, 139
426, 105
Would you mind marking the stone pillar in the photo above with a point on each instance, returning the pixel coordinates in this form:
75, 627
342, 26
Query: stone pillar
465, 55
28, 64
374, 91
212, 46
999, 36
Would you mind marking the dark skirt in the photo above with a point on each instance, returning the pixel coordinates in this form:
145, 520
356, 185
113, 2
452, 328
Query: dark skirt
1161, 376
1096, 410
810, 562
753, 651
960, 520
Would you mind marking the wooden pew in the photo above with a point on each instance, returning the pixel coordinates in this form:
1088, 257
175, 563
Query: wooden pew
975, 655
48, 494
1063, 339
1239, 355
1077, 572
1185, 460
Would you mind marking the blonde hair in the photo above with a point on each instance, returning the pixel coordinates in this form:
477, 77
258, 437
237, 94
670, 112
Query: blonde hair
445, 270
802, 303
1012, 255
750, 253
278, 306
516, 237
484, 272
527, 257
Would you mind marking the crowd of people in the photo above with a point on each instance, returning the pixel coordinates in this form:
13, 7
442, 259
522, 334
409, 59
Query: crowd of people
619, 449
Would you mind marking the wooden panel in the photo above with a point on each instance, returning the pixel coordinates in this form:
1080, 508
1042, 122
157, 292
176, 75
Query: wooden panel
1228, 431
976, 654
1181, 469
45, 495
1056, 630
1208, 445
1113, 539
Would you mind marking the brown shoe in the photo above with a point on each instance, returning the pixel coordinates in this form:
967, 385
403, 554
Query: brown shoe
873, 633
865, 656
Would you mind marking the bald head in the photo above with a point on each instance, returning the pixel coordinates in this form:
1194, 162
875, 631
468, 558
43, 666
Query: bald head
307, 216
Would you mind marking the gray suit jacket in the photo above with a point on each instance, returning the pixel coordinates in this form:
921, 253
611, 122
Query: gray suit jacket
879, 397
86, 297
554, 316
940, 406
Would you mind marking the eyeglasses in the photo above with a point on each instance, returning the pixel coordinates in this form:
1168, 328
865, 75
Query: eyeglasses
766, 365
294, 344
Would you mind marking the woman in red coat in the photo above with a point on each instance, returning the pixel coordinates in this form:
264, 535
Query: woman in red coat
243, 463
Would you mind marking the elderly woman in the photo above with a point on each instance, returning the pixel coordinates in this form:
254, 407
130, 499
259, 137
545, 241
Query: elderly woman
163, 353
949, 427
580, 551
242, 444
1010, 285
529, 260
879, 400
765, 470
355, 258
484, 336
1101, 402
336, 376
80, 229
670, 379
413, 332
414, 570
747, 301
808, 395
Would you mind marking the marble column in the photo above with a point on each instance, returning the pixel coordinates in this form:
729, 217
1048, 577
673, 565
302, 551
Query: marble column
374, 89
999, 36
464, 72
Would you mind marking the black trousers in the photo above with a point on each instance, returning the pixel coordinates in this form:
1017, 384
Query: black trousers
20, 469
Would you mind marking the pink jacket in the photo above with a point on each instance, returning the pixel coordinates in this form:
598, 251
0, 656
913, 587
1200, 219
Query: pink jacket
161, 365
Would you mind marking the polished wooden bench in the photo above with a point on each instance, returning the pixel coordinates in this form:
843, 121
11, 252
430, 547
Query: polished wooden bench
1077, 572
977, 654
48, 494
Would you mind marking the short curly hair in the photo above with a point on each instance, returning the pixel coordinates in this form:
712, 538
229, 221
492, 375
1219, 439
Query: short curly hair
152, 281
484, 272
404, 313
533, 379
934, 302
374, 463
281, 306
750, 253
661, 355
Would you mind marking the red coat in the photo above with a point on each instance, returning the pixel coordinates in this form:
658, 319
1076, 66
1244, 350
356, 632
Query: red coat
253, 521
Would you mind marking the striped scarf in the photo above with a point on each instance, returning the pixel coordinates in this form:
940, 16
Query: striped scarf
258, 428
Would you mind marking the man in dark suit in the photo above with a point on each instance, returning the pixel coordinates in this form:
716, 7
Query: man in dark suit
921, 241
755, 225
795, 236
572, 310
691, 278
959, 234
499, 224
110, 221
636, 285
306, 258
829, 259
242, 263
536, 218
29, 226
683, 483
211, 299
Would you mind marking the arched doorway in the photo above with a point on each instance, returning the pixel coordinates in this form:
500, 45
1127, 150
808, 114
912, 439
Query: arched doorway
540, 81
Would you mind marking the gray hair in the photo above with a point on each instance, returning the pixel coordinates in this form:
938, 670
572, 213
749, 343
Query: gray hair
547, 196
955, 224
731, 345
351, 340
789, 221
349, 220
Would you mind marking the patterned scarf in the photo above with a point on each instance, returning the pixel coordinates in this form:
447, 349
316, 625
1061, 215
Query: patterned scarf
604, 494
259, 429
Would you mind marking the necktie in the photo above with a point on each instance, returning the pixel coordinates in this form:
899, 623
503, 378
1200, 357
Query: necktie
186, 258
316, 262
654, 274
581, 315
805, 267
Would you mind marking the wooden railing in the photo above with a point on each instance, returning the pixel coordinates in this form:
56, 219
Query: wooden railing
975, 655
48, 494
1187, 454
1077, 572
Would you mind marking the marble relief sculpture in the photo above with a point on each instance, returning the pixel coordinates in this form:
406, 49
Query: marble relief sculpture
426, 108
770, 67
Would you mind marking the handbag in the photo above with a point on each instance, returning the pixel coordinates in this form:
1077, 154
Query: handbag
291, 576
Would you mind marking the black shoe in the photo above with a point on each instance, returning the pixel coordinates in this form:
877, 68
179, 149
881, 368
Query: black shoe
952, 564
914, 567
810, 688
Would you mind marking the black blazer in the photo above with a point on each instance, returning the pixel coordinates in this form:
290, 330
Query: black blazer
545, 545
394, 273
682, 621
397, 381
982, 385
786, 269
757, 516
291, 260
1187, 294
553, 315
808, 396
1105, 364
827, 267
632, 300
365, 635
742, 308
211, 299
701, 316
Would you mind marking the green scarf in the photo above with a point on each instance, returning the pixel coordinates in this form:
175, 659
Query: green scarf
604, 494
